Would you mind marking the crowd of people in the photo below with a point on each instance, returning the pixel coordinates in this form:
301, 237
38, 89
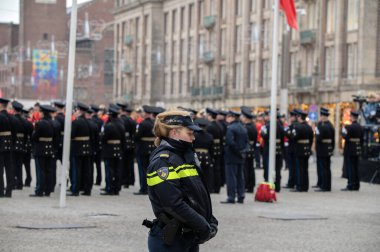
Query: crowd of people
230, 146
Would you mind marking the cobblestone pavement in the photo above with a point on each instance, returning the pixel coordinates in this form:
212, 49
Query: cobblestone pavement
352, 224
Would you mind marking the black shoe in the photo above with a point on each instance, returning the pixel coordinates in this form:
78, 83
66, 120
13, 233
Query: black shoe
47, 194
106, 193
227, 202
321, 190
73, 194
102, 189
240, 201
125, 186
36, 195
86, 193
97, 183
346, 189
140, 193
295, 190
315, 186
288, 187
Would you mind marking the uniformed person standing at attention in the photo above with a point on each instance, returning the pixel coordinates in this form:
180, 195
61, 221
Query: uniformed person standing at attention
113, 145
265, 133
177, 191
60, 118
303, 136
144, 139
292, 178
28, 147
325, 142
80, 163
353, 136
7, 137
19, 144
203, 146
43, 151
214, 129
97, 158
128, 173
249, 172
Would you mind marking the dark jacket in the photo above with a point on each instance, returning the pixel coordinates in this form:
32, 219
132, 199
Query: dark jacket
80, 137
265, 133
303, 136
176, 188
130, 131
203, 146
353, 136
217, 133
252, 136
237, 143
144, 138
19, 127
43, 138
324, 139
288, 133
113, 139
7, 132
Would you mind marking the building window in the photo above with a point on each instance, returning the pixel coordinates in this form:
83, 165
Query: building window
352, 61
312, 15
146, 25
212, 7
201, 43
174, 82
137, 28
182, 18
167, 54
267, 4
254, 35
266, 31
166, 23
329, 63
201, 10
238, 39
108, 66
191, 48
190, 80
191, 13
166, 84
237, 76
253, 5
238, 7
210, 79
266, 73
183, 51
252, 74
182, 82
174, 21
174, 53
293, 67
331, 15
353, 15
212, 41
223, 79
223, 43
223, 9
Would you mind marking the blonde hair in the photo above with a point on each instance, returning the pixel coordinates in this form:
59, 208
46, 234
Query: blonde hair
160, 129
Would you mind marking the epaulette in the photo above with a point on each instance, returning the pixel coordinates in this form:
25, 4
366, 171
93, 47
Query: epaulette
164, 155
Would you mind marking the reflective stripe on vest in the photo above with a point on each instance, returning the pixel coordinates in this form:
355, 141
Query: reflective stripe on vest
182, 171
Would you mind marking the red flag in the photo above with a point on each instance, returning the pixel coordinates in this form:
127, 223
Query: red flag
290, 11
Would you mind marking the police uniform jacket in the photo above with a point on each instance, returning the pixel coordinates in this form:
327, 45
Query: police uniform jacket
288, 133
7, 132
217, 135
265, 134
43, 138
113, 139
325, 139
144, 138
130, 131
94, 136
176, 187
60, 118
203, 146
237, 143
353, 136
252, 136
19, 128
80, 137
99, 125
303, 136
28, 136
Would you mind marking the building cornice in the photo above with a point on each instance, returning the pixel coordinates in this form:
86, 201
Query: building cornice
134, 5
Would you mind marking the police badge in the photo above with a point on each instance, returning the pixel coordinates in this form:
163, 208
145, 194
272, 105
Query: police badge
163, 173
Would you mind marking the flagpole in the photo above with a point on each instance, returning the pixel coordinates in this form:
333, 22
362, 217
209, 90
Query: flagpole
69, 103
273, 105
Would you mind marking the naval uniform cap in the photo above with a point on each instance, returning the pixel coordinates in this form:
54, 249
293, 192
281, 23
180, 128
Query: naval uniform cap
47, 108
211, 111
180, 120
95, 107
233, 113
17, 106
113, 110
222, 112
122, 105
324, 112
4, 101
148, 109
354, 113
59, 104
158, 110
82, 106
202, 122
246, 111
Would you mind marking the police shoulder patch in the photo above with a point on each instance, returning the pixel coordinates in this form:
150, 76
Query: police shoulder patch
163, 173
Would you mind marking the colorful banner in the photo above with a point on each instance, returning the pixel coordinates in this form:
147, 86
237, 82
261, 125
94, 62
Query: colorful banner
45, 73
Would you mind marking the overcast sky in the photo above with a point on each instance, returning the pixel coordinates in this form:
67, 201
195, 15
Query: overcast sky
9, 10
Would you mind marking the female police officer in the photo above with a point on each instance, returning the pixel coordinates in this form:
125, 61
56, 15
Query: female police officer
177, 191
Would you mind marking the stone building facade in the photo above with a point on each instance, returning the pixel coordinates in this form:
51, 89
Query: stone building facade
218, 52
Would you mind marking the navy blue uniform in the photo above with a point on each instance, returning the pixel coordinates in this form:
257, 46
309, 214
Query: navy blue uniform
303, 136
97, 148
325, 142
128, 172
28, 151
216, 131
203, 146
19, 149
177, 191
353, 136
292, 179
250, 177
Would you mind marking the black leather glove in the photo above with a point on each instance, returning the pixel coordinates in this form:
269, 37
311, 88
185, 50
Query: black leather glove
214, 230
204, 237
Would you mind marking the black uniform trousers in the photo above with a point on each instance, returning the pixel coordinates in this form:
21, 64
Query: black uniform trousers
17, 163
353, 173
26, 158
97, 159
128, 172
302, 164
53, 173
81, 172
43, 175
278, 166
250, 177
6, 162
113, 168
143, 162
292, 180
319, 171
217, 173
324, 164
